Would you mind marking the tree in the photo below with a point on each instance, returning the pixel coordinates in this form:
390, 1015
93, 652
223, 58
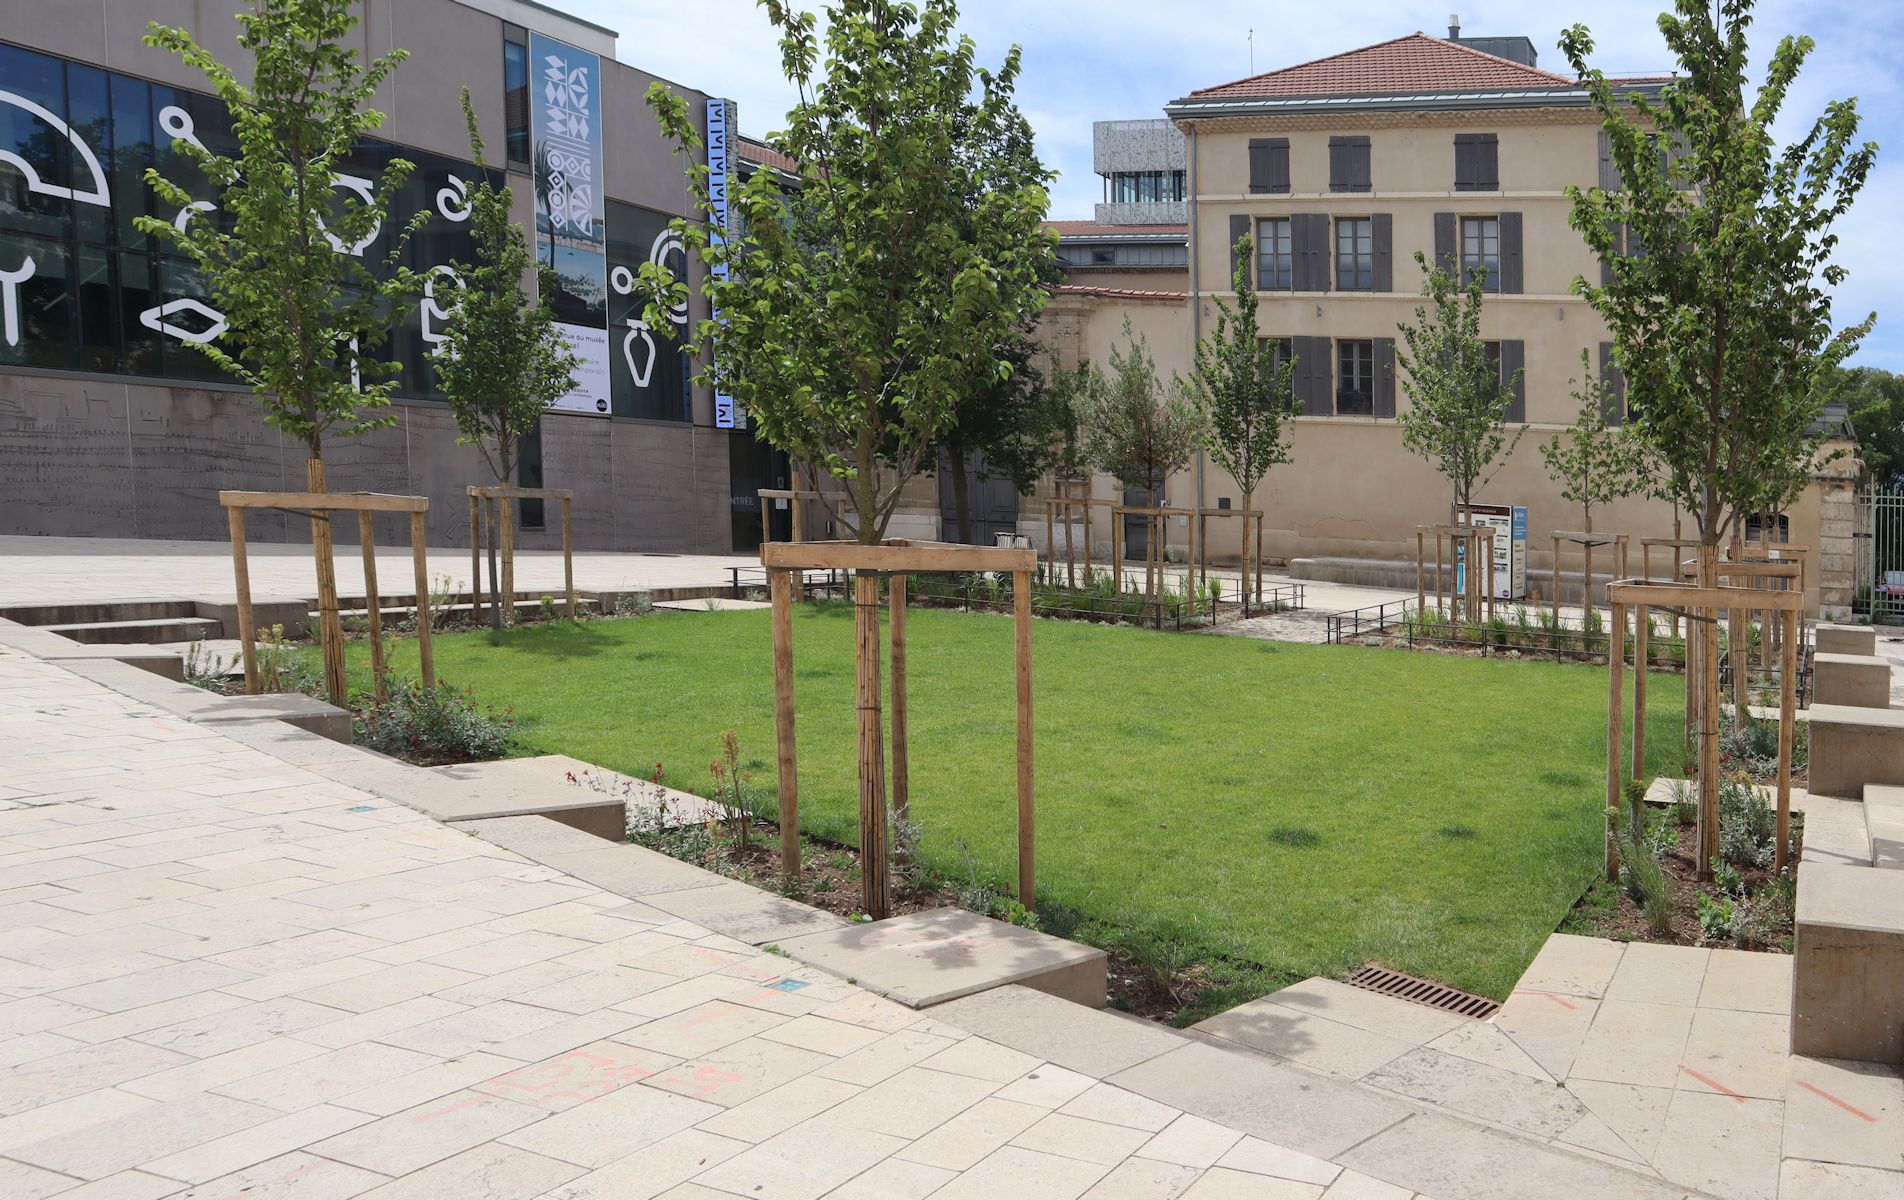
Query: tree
1873, 399
1596, 464
283, 258
859, 308
1140, 432
503, 361
1016, 424
1242, 392
1724, 322
1457, 411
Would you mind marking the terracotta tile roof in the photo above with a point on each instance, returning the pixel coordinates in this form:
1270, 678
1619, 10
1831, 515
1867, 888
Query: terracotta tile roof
1087, 228
766, 156
1416, 63
1110, 293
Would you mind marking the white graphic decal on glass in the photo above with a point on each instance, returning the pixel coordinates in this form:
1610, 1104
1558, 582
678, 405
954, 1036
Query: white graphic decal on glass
638, 328
363, 187
666, 244
433, 313
177, 122
155, 319
185, 214
453, 201
10, 282
33, 181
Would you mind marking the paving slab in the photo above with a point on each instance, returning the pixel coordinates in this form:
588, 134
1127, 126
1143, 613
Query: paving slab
1441, 1156
1572, 966
1845, 1112
747, 913
473, 791
671, 806
1303, 1037
928, 958
1473, 1089
1098, 1043
1803, 1180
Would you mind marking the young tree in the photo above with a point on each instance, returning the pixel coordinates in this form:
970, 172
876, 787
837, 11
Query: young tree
503, 361
1242, 393
1596, 463
282, 255
1457, 411
861, 307
1016, 424
1140, 432
1726, 319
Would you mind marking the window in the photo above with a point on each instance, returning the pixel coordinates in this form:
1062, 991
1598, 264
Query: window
1481, 250
515, 96
1476, 162
1269, 165
1349, 164
1275, 255
1355, 378
1284, 355
1758, 525
1354, 254
1146, 187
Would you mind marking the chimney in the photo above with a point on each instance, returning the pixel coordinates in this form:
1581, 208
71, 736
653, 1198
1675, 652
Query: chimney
1454, 26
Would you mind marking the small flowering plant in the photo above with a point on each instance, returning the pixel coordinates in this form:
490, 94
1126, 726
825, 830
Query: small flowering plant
434, 725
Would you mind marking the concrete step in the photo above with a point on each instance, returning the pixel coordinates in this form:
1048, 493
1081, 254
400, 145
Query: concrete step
400, 608
103, 612
1848, 964
1845, 639
1859, 680
143, 631
1853, 746
43, 643
210, 708
1884, 818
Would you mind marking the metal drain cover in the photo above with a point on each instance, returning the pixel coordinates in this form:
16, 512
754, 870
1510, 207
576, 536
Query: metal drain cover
1421, 991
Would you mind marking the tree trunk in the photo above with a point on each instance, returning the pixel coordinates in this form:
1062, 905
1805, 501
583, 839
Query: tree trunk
1247, 583
1708, 825
330, 625
961, 494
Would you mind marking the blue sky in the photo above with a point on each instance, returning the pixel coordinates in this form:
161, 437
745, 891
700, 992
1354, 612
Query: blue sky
1088, 60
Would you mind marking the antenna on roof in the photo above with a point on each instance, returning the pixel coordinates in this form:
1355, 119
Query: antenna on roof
1454, 26
1252, 49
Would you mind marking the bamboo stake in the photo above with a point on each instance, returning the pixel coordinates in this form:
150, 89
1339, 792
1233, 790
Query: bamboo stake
495, 597
241, 578
901, 785
1438, 582
1421, 593
330, 625
1051, 542
421, 564
568, 557
508, 510
778, 586
373, 604
1616, 658
1027, 830
1787, 723
1642, 626
1556, 600
1708, 721
475, 558
875, 884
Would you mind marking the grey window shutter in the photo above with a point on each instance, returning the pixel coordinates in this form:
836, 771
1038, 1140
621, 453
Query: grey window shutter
1310, 233
1511, 253
1384, 377
1259, 165
1364, 172
1446, 253
1464, 163
1609, 173
1514, 370
1613, 402
1239, 225
1487, 163
1349, 164
1279, 165
1338, 164
1316, 401
1382, 230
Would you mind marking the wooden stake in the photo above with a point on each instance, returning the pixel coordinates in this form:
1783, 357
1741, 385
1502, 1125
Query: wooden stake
507, 509
1708, 831
1556, 600
1027, 831
373, 604
1787, 723
495, 597
1616, 658
778, 587
1642, 626
1421, 591
241, 578
420, 562
875, 883
330, 625
568, 557
1051, 543
901, 785
475, 558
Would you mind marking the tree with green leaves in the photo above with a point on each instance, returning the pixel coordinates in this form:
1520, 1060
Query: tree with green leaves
1014, 425
1458, 402
1140, 431
283, 253
1595, 463
1873, 400
503, 361
1243, 392
1725, 322
858, 308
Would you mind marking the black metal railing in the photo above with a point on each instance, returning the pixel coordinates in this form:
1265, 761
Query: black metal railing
1370, 618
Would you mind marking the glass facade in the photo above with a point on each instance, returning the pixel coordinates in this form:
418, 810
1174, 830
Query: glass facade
1136, 187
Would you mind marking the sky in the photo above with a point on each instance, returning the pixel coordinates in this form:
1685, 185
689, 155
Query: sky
1092, 60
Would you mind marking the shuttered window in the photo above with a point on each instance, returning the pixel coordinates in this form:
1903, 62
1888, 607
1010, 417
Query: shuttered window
1354, 254
1476, 163
1481, 252
1349, 165
1269, 165
1355, 378
1275, 255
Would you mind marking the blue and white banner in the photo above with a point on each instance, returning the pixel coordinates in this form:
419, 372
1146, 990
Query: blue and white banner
720, 121
571, 206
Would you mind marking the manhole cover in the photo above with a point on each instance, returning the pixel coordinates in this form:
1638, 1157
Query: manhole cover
1421, 991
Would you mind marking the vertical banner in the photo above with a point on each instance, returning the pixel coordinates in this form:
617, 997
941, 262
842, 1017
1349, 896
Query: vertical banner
571, 207
727, 414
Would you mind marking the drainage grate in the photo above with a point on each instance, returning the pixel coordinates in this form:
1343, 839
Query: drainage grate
1421, 991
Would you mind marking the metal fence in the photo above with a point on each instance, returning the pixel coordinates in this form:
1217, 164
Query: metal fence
1879, 558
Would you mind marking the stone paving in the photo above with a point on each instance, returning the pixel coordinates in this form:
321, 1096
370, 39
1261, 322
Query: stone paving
226, 975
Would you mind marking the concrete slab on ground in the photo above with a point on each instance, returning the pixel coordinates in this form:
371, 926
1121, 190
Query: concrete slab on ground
712, 604
928, 958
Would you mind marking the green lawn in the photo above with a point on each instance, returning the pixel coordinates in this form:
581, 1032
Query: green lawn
1307, 808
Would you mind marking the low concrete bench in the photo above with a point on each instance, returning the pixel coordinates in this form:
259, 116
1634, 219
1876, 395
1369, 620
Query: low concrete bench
1859, 680
44, 643
1845, 639
1853, 746
1835, 832
1884, 818
206, 708
928, 958
1848, 969
478, 791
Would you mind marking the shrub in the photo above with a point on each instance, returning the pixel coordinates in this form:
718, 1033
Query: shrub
433, 725
1644, 880
1747, 824
203, 668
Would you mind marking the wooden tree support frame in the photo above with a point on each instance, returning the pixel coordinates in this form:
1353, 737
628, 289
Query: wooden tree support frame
1063, 503
1155, 543
793, 497
1588, 541
1739, 620
1675, 546
895, 559
1249, 562
500, 523
1701, 606
1478, 546
330, 629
